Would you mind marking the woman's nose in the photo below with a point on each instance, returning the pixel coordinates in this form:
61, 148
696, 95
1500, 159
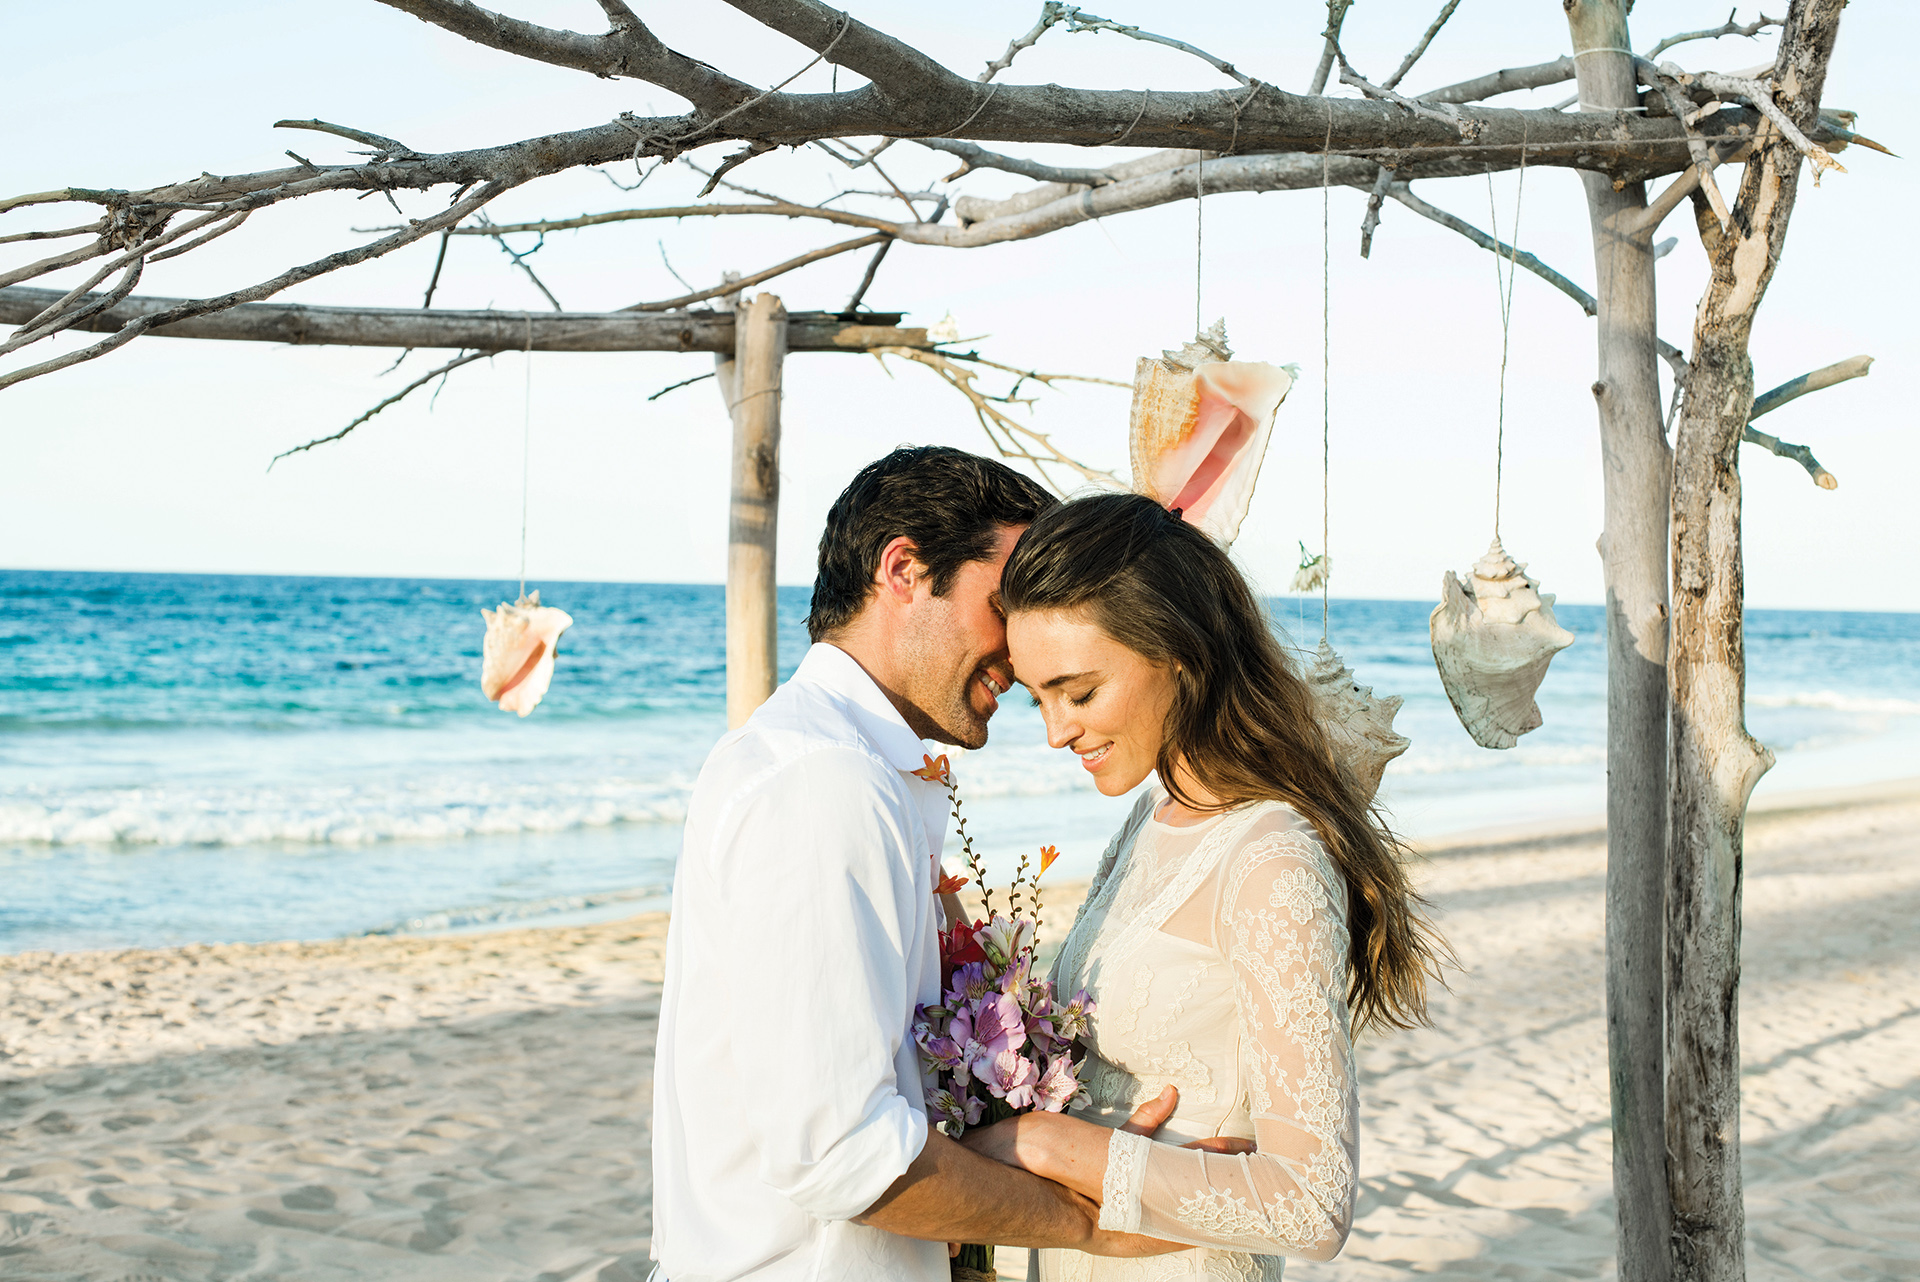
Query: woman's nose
1061, 732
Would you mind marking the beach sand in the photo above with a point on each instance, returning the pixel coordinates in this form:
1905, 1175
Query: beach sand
476, 1107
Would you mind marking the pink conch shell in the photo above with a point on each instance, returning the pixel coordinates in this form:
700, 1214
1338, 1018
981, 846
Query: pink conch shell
1493, 637
1358, 725
516, 660
1199, 430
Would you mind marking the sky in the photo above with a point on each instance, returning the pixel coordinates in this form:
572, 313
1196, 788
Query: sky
155, 458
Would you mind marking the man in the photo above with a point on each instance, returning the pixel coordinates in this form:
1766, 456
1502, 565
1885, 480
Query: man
791, 1138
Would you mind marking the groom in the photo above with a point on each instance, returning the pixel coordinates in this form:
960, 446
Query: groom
791, 1138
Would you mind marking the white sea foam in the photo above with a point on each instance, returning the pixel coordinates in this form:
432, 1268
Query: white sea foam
340, 816
1837, 702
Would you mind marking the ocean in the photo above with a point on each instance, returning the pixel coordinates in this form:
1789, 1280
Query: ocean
211, 758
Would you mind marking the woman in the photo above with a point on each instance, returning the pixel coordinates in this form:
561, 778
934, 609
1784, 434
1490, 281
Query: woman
1248, 914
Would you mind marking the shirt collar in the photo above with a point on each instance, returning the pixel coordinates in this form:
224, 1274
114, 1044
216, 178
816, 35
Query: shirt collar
833, 669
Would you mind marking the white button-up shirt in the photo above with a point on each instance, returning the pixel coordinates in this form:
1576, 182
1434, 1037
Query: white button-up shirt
788, 1093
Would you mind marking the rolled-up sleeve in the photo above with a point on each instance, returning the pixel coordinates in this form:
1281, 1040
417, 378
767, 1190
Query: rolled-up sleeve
821, 876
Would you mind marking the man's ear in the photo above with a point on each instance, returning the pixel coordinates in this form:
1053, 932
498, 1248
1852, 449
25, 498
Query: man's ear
900, 573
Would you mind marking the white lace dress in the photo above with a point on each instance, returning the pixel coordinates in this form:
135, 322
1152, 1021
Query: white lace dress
1218, 956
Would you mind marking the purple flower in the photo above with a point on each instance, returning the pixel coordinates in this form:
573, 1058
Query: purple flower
945, 1106
943, 1054
970, 983
1071, 1021
1058, 1087
1011, 1076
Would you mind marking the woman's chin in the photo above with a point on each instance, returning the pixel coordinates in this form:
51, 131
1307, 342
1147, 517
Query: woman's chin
1113, 783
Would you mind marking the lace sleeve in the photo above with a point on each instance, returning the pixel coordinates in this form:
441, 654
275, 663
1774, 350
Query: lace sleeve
1281, 924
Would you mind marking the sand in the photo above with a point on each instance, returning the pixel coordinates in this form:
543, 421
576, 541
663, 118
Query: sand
476, 1107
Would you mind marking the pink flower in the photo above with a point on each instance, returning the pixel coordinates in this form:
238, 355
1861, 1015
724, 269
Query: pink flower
1071, 1021
1004, 940
1058, 1087
1011, 1076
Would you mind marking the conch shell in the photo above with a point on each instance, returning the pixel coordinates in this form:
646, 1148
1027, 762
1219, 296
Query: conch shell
1359, 726
1493, 637
516, 660
1199, 430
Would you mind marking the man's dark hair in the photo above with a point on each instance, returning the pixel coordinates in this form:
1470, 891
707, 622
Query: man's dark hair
949, 503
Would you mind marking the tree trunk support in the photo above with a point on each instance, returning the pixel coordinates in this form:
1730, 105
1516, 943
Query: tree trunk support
752, 385
1715, 763
1636, 471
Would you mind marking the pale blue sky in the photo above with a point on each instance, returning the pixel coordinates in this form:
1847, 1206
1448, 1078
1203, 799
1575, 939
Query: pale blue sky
155, 457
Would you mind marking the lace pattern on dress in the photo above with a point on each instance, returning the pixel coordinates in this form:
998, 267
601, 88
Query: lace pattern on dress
1120, 1190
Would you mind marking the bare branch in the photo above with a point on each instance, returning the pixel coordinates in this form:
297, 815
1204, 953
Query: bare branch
1794, 389
388, 149
92, 228
307, 271
1401, 193
1372, 219
1079, 21
779, 269
1050, 14
1760, 94
1445, 113
1798, 453
1013, 439
978, 157
685, 382
1406, 63
1336, 15
1538, 76
395, 399
520, 259
1727, 28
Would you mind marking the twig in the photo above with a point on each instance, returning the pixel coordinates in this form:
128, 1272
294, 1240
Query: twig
1760, 94
1406, 63
1704, 159
1050, 13
1793, 389
738, 158
418, 383
439, 261
978, 157
520, 259
387, 147
1404, 194
776, 209
1798, 453
92, 227
1372, 220
1012, 439
685, 382
1445, 113
1336, 14
866, 281
779, 269
1079, 21
1727, 28
668, 263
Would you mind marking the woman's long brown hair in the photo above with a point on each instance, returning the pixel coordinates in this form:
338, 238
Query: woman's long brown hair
1242, 723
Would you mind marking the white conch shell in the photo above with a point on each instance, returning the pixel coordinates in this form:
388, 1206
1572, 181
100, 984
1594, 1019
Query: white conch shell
1493, 637
1359, 726
516, 660
1199, 430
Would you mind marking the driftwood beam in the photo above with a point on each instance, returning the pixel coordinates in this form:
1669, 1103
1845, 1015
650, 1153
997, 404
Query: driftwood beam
482, 331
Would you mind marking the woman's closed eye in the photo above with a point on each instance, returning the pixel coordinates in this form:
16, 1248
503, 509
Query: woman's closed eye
1082, 700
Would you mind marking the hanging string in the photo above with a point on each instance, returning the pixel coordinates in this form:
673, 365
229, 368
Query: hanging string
1504, 290
1199, 237
526, 451
1326, 359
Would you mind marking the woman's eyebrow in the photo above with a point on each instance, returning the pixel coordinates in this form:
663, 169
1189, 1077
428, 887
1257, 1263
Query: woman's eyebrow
1063, 678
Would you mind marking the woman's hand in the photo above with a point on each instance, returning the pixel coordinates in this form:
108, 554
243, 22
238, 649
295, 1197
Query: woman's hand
1073, 1152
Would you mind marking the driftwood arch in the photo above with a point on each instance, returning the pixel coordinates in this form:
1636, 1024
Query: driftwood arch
1680, 761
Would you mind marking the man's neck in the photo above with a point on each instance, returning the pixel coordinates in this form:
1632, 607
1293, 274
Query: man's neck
876, 657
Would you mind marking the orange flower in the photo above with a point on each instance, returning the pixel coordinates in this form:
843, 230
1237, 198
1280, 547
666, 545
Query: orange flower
935, 771
1047, 855
950, 883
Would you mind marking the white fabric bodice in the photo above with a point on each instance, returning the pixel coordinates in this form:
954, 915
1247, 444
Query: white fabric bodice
1218, 956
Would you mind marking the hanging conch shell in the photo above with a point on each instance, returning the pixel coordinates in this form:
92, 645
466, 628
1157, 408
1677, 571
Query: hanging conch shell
1493, 637
1199, 430
516, 660
1359, 726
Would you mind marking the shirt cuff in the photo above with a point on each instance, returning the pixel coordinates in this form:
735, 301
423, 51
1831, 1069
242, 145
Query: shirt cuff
1120, 1190
862, 1165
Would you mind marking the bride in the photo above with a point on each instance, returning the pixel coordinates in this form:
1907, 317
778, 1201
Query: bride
1249, 915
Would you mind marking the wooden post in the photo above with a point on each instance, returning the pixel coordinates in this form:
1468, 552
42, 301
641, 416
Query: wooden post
753, 655
1715, 762
1636, 470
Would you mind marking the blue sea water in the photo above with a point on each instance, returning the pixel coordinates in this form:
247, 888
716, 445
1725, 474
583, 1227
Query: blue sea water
197, 758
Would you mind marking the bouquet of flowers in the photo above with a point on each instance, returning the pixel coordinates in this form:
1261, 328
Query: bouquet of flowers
999, 1042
